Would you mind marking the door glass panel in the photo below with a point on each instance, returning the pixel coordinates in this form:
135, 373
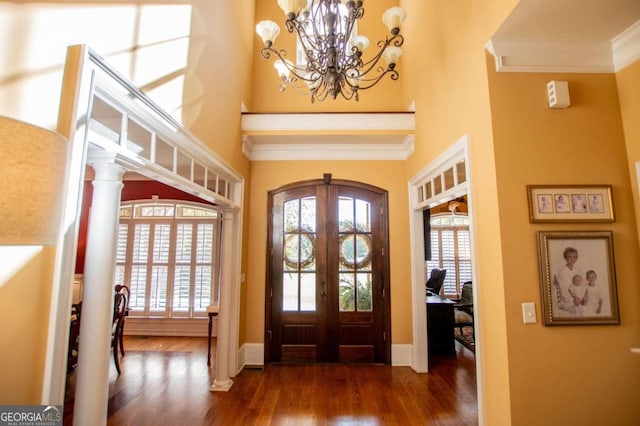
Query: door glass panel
363, 250
299, 255
355, 288
347, 252
347, 293
308, 222
363, 216
291, 209
291, 243
345, 214
308, 292
307, 253
364, 292
290, 291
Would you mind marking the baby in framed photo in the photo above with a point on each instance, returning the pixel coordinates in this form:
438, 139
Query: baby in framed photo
579, 203
562, 203
596, 205
545, 203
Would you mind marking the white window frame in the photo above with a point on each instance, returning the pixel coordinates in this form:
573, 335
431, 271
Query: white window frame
458, 275
173, 213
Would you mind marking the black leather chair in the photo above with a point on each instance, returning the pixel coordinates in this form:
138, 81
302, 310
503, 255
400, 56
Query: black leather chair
436, 280
463, 309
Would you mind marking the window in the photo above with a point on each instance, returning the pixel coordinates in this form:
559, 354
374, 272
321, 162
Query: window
167, 254
316, 22
451, 250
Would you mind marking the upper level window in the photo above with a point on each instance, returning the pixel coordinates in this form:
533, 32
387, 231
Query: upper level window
168, 256
450, 250
301, 59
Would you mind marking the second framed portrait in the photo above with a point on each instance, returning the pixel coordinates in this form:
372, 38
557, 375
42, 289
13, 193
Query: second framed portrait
578, 278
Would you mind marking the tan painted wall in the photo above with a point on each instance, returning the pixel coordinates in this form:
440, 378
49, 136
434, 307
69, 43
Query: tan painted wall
447, 65
554, 371
628, 88
24, 311
384, 174
266, 96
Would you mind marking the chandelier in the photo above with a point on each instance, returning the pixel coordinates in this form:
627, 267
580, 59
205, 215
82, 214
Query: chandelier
331, 63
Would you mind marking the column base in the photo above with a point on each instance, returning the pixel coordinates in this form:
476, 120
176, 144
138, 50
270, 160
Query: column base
221, 386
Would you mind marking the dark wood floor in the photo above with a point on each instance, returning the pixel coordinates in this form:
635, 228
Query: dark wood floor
165, 381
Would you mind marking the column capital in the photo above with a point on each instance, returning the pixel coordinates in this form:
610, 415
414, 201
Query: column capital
104, 165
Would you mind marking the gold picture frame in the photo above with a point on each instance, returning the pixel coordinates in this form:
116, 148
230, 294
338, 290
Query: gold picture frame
577, 278
570, 203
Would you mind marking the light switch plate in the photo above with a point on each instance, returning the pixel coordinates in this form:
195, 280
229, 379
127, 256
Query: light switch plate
529, 313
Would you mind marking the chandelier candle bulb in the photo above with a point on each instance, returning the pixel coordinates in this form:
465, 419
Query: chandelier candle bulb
330, 50
268, 31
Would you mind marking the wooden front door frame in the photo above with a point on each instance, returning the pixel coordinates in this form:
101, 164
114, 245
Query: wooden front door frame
385, 272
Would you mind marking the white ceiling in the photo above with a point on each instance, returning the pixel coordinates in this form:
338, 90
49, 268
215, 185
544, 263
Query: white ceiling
582, 20
568, 36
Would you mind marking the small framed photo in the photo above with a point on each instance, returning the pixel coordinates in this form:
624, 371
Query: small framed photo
577, 278
570, 203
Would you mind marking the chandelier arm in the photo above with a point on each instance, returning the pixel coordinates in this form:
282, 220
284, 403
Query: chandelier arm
393, 74
366, 67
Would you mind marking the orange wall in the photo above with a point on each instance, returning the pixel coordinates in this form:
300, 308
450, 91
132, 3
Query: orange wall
628, 88
447, 62
554, 371
266, 95
384, 174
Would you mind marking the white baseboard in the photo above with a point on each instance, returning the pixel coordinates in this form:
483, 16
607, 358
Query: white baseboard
252, 354
169, 327
402, 355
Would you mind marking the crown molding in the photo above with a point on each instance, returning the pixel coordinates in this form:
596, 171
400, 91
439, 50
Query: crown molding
626, 47
328, 136
551, 56
340, 148
567, 55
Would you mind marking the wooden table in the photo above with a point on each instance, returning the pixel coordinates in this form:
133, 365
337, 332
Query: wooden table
440, 326
212, 311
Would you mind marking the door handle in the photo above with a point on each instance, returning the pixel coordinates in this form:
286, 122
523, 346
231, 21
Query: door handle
322, 289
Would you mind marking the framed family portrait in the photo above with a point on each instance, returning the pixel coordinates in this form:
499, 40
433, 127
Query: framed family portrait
577, 278
570, 203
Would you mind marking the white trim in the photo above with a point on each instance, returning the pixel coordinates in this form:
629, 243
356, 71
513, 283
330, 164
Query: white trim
401, 355
460, 148
328, 122
457, 151
551, 56
169, 327
83, 78
251, 354
567, 55
328, 136
626, 47
343, 150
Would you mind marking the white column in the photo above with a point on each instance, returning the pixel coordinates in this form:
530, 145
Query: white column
94, 353
222, 381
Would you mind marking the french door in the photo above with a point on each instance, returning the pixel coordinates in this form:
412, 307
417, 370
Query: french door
328, 287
